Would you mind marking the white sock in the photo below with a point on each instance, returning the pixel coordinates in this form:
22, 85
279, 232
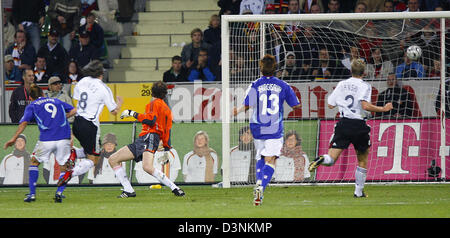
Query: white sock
122, 177
164, 179
360, 179
328, 161
80, 153
82, 167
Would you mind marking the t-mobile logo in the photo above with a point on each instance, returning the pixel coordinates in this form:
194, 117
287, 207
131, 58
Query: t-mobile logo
413, 151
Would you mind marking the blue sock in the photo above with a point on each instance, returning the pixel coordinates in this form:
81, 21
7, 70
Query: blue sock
33, 172
60, 189
268, 170
259, 169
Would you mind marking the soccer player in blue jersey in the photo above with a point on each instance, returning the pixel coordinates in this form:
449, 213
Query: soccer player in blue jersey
51, 115
266, 97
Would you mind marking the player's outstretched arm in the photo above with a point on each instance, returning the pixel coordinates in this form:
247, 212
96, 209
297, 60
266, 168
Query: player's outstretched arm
372, 108
119, 101
72, 112
128, 113
19, 131
239, 110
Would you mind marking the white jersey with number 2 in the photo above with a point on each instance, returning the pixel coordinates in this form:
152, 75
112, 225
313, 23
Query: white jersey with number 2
92, 95
348, 95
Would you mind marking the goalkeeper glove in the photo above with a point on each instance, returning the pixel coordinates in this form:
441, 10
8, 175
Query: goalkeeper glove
128, 113
164, 159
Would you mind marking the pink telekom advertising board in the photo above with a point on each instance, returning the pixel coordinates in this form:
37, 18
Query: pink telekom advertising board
402, 150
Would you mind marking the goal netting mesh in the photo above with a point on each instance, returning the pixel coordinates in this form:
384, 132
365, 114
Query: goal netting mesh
410, 143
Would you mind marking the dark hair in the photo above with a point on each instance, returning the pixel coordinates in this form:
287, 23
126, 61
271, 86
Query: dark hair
293, 133
268, 65
36, 91
159, 90
176, 57
93, 69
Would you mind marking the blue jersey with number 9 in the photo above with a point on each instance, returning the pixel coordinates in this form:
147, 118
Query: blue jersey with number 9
50, 116
266, 97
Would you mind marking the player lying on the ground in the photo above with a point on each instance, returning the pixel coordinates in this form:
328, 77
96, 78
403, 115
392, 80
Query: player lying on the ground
156, 125
51, 116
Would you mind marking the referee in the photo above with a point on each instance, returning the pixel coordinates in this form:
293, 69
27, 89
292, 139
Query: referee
352, 97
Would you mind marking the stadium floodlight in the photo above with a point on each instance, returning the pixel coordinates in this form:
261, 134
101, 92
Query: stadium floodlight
313, 52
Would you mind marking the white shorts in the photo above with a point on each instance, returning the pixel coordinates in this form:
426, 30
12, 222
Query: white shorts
270, 147
61, 149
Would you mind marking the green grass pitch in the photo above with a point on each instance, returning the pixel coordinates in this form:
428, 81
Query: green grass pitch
384, 201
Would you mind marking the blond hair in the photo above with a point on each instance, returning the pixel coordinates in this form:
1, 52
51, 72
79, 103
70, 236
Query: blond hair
358, 67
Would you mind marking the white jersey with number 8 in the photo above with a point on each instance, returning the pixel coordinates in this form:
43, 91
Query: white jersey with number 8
92, 95
348, 95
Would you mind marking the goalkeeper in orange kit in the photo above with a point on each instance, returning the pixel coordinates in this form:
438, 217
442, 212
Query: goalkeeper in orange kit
156, 125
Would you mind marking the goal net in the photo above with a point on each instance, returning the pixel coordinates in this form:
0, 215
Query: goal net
313, 52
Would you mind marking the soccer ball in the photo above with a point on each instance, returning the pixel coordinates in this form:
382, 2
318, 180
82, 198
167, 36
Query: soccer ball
413, 52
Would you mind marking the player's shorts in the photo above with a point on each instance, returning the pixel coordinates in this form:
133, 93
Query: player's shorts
88, 134
269, 147
353, 131
149, 142
61, 149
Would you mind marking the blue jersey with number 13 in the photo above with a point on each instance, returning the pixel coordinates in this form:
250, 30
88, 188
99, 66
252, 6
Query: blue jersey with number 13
50, 116
266, 96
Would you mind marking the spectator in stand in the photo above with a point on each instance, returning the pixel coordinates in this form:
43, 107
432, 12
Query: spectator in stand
65, 19
23, 53
96, 34
334, 6
55, 91
256, 6
306, 6
409, 69
316, 9
360, 7
373, 5
29, 16
189, 54
8, 32
40, 70
213, 33
177, 73
20, 97
429, 41
348, 58
55, 54
83, 52
201, 69
328, 68
72, 74
436, 70
388, 6
294, 7
379, 68
413, 6
13, 74
399, 97
229, 7
399, 5
290, 71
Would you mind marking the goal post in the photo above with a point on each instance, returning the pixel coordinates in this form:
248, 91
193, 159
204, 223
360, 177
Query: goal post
393, 156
